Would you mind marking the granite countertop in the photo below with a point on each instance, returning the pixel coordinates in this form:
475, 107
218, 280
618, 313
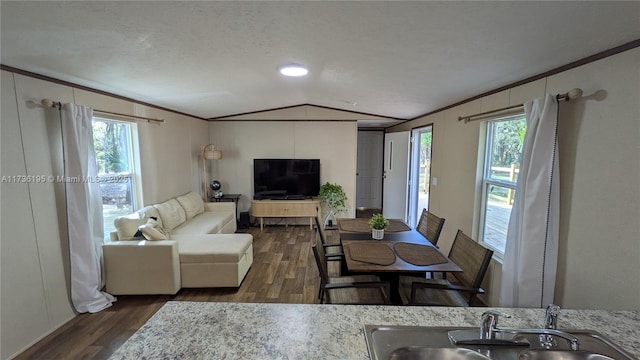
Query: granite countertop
195, 330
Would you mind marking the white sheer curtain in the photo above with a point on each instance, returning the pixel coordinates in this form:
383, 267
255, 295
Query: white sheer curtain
531, 254
84, 210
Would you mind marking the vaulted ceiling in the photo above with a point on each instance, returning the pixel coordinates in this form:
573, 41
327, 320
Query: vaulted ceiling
389, 58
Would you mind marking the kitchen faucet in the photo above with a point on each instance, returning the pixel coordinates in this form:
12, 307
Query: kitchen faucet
489, 324
550, 322
489, 328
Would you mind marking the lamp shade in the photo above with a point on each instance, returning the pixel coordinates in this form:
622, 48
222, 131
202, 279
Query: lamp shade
210, 153
213, 155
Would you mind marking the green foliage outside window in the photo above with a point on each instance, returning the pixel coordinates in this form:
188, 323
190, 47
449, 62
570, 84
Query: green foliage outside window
425, 146
508, 138
110, 143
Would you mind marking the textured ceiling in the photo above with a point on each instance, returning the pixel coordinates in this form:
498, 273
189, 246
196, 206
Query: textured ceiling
396, 59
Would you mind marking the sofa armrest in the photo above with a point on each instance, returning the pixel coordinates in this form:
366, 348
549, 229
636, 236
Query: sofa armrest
220, 206
142, 267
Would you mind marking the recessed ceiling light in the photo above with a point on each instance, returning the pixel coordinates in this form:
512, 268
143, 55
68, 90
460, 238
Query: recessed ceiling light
293, 70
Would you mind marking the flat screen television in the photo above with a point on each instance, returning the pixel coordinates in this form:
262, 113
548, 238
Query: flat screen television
286, 178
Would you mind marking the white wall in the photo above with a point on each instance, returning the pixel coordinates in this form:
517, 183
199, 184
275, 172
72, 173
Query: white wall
34, 251
34, 265
600, 184
333, 142
599, 140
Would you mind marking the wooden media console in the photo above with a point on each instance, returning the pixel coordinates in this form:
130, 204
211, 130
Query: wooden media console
284, 209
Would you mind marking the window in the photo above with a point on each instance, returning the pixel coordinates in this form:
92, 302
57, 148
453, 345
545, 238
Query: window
503, 154
113, 142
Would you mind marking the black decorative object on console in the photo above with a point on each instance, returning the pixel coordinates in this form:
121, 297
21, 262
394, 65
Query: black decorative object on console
216, 186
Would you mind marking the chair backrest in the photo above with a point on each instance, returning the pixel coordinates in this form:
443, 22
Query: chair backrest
430, 226
320, 229
472, 258
319, 255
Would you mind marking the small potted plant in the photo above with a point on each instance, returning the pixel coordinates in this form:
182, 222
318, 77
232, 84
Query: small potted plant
378, 223
334, 197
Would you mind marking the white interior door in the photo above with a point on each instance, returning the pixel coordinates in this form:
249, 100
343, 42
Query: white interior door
369, 172
396, 175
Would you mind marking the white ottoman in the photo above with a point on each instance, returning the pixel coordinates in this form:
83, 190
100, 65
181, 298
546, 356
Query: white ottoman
214, 260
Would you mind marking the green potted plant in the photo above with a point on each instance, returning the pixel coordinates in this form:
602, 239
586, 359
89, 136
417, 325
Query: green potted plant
335, 199
378, 223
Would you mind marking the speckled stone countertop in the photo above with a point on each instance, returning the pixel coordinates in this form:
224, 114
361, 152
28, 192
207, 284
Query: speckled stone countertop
193, 330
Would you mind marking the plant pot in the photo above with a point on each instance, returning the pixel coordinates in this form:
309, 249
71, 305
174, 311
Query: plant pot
377, 234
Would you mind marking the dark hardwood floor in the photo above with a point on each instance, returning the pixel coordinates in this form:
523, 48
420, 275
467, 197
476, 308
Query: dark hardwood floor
283, 271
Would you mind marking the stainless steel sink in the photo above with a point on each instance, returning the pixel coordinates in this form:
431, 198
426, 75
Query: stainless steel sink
561, 355
417, 353
418, 342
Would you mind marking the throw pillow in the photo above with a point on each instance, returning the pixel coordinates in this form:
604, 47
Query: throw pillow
152, 230
127, 225
192, 204
172, 214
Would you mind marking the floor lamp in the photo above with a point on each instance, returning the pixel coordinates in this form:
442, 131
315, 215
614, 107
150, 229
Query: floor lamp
209, 152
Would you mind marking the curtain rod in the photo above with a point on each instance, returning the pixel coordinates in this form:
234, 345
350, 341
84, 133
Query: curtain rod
58, 104
572, 94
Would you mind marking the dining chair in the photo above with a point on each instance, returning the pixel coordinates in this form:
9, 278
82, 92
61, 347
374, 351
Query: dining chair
472, 258
334, 252
430, 226
356, 289
329, 248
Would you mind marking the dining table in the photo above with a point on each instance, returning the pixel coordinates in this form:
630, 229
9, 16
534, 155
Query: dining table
399, 253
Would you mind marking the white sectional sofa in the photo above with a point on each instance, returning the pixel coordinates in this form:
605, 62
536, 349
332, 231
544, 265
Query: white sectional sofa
182, 242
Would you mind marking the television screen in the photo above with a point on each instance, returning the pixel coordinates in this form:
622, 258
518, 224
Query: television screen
274, 178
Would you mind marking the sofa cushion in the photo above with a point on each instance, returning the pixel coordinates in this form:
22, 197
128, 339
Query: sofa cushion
172, 214
127, 226
209, 222
192, 204
152, 230
215, 248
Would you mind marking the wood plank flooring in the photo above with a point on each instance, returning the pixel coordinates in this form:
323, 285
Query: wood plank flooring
283, 271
